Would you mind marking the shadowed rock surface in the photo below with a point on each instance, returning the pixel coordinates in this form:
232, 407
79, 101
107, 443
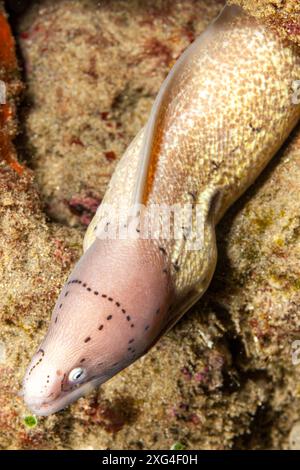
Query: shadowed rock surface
223, 377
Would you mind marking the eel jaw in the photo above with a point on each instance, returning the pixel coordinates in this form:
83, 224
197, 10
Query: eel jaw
47, 407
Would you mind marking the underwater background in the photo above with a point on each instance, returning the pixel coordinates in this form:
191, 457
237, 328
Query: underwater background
223, 378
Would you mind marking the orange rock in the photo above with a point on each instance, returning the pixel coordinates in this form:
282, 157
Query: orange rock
7, 49
8, 64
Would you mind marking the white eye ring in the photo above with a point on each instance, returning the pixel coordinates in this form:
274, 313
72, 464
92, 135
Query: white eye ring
77, 375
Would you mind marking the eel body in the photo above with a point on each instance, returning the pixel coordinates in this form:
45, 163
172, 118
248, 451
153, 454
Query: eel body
220, 116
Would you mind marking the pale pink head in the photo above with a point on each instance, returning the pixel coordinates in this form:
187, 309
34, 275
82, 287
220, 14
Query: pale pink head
111, 310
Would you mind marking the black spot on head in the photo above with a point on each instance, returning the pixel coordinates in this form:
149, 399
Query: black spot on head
87, 339
79, 282
96, 292
100, 327
254, 129
129, 349
118, 304
110, 299
161, 248
147, 327
104, 296
89, 289
109, 317
165, 271
176, 266
132, 325
123, 310
128, 318
66, 293
82, 360
192, 195
84, 285
60, 306
131, 341
55, 321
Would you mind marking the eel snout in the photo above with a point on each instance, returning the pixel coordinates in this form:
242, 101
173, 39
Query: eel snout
113, 307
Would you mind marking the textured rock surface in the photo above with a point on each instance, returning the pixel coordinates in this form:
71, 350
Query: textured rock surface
283, 15
223, 377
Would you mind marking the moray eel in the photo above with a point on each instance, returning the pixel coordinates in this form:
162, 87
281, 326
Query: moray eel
224, 110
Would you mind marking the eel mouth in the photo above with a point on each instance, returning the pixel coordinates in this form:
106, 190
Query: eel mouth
48, 406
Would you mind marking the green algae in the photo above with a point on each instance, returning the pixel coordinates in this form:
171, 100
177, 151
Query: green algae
178, 446
30, 421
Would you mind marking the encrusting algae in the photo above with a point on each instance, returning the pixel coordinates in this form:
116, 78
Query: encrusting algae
281, 15
228, 358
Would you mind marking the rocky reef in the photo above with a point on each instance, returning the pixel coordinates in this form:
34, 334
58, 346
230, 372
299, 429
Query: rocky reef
282, 15
224, 377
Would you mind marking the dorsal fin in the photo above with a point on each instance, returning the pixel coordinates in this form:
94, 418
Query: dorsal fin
158, 107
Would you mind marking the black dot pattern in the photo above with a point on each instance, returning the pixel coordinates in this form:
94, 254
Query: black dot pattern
101, 327
164, 252
38, 362
176, 266
104, 296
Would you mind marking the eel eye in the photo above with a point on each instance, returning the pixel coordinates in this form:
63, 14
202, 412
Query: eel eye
77, 375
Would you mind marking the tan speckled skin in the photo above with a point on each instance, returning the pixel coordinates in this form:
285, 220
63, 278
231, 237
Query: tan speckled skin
223, 115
